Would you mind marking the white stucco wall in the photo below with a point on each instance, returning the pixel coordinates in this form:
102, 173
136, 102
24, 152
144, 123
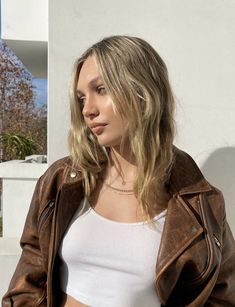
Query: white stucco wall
195, 40
25, 20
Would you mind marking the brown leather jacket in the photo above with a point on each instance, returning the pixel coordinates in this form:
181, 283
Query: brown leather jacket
196, 261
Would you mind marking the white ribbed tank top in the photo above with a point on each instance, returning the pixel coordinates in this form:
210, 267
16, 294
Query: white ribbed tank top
106, 263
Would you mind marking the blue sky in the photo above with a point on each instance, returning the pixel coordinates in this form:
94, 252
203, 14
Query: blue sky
41, 90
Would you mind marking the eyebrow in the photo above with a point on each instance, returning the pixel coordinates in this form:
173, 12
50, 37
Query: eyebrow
91, 84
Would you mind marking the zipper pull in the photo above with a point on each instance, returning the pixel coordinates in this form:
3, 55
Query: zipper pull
52, 204
217, 242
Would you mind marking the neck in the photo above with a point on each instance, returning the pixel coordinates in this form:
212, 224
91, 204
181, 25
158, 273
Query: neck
123, 166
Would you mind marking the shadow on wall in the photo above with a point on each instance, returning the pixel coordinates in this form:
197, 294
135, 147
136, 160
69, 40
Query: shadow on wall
219, 169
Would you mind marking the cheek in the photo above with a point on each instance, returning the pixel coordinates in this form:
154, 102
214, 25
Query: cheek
114, 118
119, 126
118, 121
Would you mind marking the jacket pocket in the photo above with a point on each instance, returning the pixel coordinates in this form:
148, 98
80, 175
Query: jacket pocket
46, 213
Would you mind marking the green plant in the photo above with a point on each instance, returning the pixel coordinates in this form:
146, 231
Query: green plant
17, 145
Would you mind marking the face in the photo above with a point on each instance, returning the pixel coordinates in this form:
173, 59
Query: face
97, 106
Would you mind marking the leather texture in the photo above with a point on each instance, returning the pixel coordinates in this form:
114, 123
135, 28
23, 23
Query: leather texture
195, 265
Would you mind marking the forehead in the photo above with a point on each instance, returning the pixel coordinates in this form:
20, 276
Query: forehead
89, 72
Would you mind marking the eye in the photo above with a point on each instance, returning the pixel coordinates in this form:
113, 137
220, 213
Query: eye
81, 101
101, 90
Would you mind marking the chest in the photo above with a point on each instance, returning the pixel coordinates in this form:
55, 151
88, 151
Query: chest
122, 256
197, 256
112, 245
116, 206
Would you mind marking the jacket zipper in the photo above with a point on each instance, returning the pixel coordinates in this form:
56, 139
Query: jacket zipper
46, 213
51, 264
42, 299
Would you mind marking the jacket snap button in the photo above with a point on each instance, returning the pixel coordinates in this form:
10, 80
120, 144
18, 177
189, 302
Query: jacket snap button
73, 174
193, 229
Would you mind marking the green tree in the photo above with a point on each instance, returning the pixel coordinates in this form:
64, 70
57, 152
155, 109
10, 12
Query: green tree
19, 115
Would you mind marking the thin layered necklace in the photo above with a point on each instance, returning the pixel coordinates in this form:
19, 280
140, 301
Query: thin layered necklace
117, 190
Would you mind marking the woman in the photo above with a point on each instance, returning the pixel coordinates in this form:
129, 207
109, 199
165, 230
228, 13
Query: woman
127, 219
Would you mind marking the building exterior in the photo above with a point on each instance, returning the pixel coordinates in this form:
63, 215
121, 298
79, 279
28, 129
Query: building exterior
24, 27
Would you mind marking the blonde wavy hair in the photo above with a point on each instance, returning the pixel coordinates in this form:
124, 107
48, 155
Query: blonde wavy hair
136, 78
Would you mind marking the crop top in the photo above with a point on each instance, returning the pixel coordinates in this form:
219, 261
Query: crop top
106, 263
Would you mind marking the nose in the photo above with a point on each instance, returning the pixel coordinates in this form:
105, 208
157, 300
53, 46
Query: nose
89, 109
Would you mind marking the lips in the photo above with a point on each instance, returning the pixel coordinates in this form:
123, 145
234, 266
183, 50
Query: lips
93, 125
97, 128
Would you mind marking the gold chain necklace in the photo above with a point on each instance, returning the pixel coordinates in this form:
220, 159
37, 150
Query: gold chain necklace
116, 189
124, 191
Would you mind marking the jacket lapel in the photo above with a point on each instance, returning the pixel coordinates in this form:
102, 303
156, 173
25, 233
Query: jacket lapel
181, 226
70, 199
180, 230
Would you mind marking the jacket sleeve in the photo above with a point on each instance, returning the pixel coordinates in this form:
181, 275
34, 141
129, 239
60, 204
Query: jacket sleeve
223, 293
28, 284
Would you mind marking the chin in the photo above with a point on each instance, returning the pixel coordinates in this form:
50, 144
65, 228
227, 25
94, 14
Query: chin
108, 143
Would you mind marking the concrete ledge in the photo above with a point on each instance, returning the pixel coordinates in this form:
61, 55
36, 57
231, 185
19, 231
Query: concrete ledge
19, 180
18, 170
